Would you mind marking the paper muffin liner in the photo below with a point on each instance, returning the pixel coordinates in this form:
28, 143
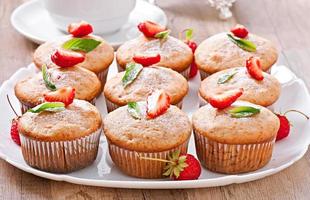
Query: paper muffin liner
112, 106
131, 164
232, 158
102, 76
60, 156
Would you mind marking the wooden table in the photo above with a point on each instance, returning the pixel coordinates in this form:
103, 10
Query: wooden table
286, 22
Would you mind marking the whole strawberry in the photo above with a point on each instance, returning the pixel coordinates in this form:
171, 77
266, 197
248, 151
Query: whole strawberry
191, 44
285, 125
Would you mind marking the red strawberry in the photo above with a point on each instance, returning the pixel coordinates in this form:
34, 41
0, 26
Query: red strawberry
225, 99
65, 58
193, 71
65, 95
192, 45
146, 60
240, 31
284, 129
14, 131
150, 29
254, 68
80, 29
157, 104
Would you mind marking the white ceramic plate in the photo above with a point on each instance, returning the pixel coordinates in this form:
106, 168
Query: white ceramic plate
104, 173
33, 21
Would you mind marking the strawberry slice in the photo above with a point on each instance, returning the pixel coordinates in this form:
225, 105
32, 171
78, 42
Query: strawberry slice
226, 99
157, 104
146, 60
14, 131
64, 58
254, 68
65, 95
240, 31
80, 29
193, 68
150, 29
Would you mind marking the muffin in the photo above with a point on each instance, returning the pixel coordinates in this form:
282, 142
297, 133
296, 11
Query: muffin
30, 91
218, 53
130, 138
234, 143
264, 92
62, 141
174, 53
149, 79
98, 60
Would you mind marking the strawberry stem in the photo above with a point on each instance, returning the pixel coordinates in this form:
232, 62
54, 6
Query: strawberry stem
156, 159
297, 111
7, 97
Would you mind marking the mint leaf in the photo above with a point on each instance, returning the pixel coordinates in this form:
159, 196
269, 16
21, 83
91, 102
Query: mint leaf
132, 71
47, 79
226, 77
188, 34
81, 44
134, 110
48, 106
162, 35
243, 111
242, 43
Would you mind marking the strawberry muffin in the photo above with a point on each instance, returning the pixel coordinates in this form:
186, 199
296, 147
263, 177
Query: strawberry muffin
79, 48
231, 49
156, 46
146, 81
60, 139
57, 84
236, 139
151, 129
263, 90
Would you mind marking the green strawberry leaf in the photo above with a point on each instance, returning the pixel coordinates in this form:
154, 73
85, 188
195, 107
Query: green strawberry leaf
81, 44
188, 34
47, 79
242, 43
243, 111
48, 106
134, 110
162, 35
226, 77
132, 71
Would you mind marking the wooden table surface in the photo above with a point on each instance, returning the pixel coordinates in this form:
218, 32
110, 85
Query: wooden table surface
286, 22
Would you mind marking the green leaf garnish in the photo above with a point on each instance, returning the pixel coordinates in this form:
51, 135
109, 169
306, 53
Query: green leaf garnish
242, 43
132, 71
47, 79
81, 44
188, 34
226, 77
134, 110
162, 35
48, 106
243, 111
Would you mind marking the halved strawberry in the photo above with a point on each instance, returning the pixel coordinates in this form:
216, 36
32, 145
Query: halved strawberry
14, 131
64, 58
65, 95
80, 29
157, 103
225, 99
240, 31
146, 60
254, 68
150, 29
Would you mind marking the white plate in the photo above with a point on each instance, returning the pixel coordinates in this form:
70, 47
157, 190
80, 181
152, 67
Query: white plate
33, 21
104, 173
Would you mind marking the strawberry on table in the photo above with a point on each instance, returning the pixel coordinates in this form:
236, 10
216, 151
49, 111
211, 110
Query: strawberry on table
240, 31
146, 60
225, 99
254, 68
157, 104
64, 95
64, 58
80, 29
150, 29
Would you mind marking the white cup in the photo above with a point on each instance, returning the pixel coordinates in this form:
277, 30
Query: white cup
106, 16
